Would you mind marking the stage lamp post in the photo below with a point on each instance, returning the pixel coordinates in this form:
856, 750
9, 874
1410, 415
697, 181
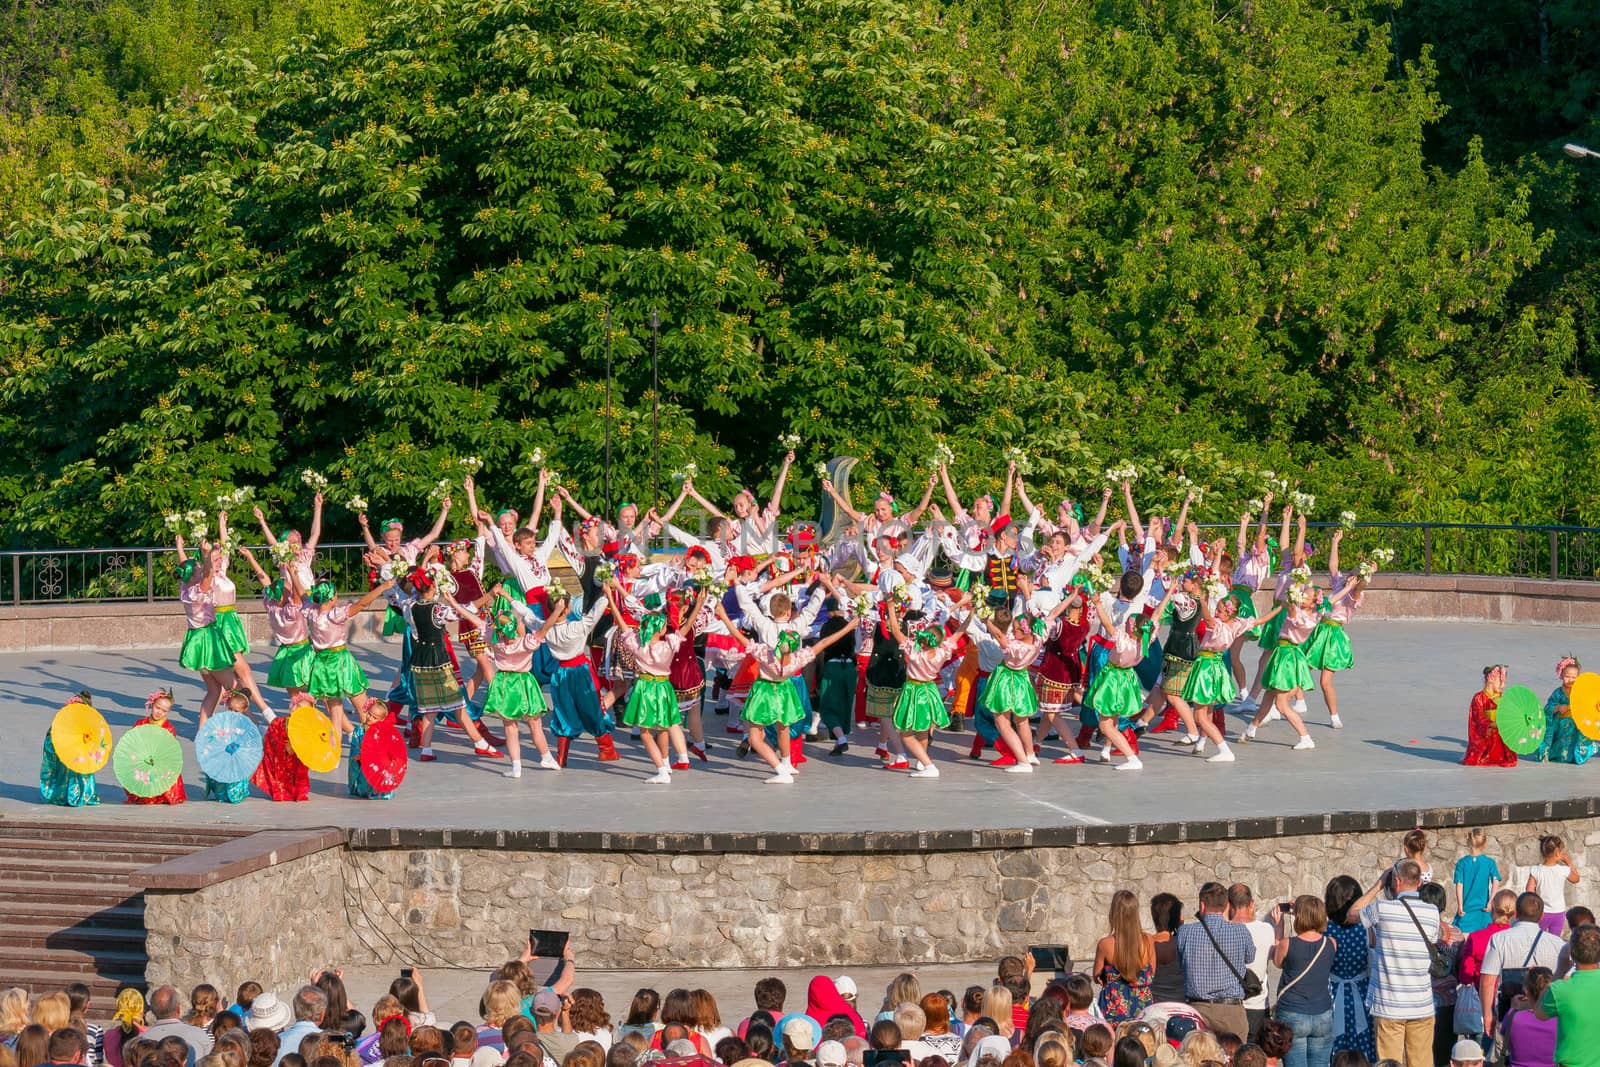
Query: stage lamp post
1578, 151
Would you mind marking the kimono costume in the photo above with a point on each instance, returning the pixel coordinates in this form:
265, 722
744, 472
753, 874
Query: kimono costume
335, 674
920, 706
1563, 741
226, 792
291, 664
58, 785
1485, 748
281, 775
203, 647
174, 795
355, 779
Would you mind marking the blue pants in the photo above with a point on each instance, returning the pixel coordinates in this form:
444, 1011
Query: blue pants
1313, 1038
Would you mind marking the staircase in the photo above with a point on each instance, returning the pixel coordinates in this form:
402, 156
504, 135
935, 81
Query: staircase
69, 914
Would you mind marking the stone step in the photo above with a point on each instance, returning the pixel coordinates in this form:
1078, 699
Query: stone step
91, 898
21, 846
191, 837
102, 987
87, 939
125, 914
56, 872
74, 961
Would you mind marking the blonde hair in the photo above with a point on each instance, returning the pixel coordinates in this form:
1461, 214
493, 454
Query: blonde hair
1198, 1047
14, 1013
1051, 1052
902, 988
501, 1001
1127, 937
997, 1006
52, 1011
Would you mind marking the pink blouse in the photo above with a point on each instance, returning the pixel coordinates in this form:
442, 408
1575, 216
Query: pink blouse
329, 629
199, 610
1020, 654
924, 664
515, 655
287, 621
770, 670
1344, 610
223, 591
1220, 635
1298, 624
654, 657
1251, 571
1126, 650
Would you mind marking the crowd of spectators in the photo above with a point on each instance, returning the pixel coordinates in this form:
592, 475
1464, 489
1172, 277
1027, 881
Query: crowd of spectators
1352, 978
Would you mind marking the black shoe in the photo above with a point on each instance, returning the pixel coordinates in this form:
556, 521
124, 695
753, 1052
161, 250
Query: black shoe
839, 748
744, 748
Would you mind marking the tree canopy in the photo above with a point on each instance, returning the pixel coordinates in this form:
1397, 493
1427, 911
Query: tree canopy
1206, 239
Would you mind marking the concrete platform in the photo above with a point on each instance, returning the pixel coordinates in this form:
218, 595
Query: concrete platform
1404, 706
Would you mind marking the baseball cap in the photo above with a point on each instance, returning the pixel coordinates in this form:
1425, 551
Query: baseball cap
830, 1054
546, 1003
845, 985
1180, 1027
801, 1030
1466, 1051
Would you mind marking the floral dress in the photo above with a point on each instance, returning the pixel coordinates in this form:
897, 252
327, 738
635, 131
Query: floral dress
1564, 743
1352, 1025
1121, 999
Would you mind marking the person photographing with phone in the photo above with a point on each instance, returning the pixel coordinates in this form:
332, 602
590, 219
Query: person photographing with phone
1305, 953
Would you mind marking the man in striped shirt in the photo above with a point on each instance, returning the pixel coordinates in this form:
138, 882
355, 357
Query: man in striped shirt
1401, 994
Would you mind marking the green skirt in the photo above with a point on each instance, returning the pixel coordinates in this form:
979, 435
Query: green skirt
291, 666
1209, 682
394, 622
1243, 596
653, 704
1287, 669
515, 695
335, 673
231, 631
1267, 632
771, 703
1010, 692
1116, 693
1329, 648
919, 708
204, 650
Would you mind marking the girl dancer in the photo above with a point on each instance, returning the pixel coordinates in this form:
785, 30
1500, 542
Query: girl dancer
466, 570
1268, 638
369, 712
203, 648
335, 674
281, 776
514, 692
1563, 742
225, 595
435, 686
780, 616
1210, 686
686, 675
920, 707
57, 784
1287, 670
574, 690
884, 515
230, 792
158, 712
1485, 748
1115, 695
628, 533
1250, 573
755, 532
1329, 648
1009, 694
305, 550
652, 704
286, 617
772, 696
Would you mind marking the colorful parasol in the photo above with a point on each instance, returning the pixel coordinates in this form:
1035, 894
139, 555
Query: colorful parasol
228, 747
81, 738
383, 757
148, 761
313, 739
1520, 719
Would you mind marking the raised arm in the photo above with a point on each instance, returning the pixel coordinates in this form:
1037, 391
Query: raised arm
1283, 529
915, 513
466, 613
1333, 554
839, 499
711, 509
1100, 516
438, 525
733, 631
1022, 492
687, 623
368, 598
683, 495
1244, 532
893, 617
957, 512
1261, 529
1183, 514
266, 531
366, 531
562, 492
776, 503
833, 638
222, 527
316, 521
1133, 514
1300, 538
1005, 498
538, 499
249, 557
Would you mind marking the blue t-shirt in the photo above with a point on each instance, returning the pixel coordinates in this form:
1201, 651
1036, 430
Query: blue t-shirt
1312, 993
1474, 874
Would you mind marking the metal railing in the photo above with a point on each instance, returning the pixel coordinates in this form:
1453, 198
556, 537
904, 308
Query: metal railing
112, 575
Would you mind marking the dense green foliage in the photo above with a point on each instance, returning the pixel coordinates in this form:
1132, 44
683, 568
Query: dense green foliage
1205, 238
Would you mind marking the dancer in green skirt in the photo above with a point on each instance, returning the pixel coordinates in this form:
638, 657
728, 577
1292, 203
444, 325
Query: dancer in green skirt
1287, 669
1210, 685
335, 675
652, 701
1329, 648
203, 648
921, 705
773, 699
284, 601
514, 692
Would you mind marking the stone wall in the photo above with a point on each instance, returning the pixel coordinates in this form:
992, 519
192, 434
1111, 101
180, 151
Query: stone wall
472, 907
272, 925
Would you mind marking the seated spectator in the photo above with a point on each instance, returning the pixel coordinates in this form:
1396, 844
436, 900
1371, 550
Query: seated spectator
707, 1019
678, 1009
1094, 1045
585, 1054
972, 1006
997, 1006
936, 1035
885, 1036
770, 994
428, 1042
245, 997
911, 1021
204, 1003
263, 1048
340, 1015
127, 1023
758, 1036
67, 1045
1079, 1015
308, 1008
586, 1014
642, 1014
166, 1007
824, 1003
902, 988
623, 1054
799, 1035
413, 1000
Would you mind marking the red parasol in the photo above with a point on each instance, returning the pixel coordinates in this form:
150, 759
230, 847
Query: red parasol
383, 757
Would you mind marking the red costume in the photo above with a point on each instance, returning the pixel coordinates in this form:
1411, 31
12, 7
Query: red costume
281, 775
1484, 746
176, 794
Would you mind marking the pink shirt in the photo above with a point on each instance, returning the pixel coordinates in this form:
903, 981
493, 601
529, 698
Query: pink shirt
1344, 610
199, 610
1220, 635
1126, 650
1298, 624
515, 655
223, 592
924, 664
654, 657
770, 670
329, 629
1252, 570
287, 621
1019, 655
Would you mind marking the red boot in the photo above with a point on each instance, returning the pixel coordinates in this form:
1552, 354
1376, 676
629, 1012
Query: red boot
1168, 720
1005, 759
1086, 735
1219, 720
608, 751
563, 744
1132, 738
977, 748
797, 751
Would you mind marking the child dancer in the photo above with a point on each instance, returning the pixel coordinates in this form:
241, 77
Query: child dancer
369, 711
466, 570
652, 704
920, 706
772, 696
1485, 747
57, 784
1210, 686
225, 597
335, 674
780, 617
1329, 648
158, 712
514, 693
435, 686
285, 604
1287, 670
1267, 640
755, 531
836, 679
1115, 695
1563, 741
574, 690
230, 792
203, 649
304, 551
688, 678
1250, 572
281, 776
1009, 694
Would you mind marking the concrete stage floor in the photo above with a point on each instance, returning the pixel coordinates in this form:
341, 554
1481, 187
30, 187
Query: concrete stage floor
1404, 706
